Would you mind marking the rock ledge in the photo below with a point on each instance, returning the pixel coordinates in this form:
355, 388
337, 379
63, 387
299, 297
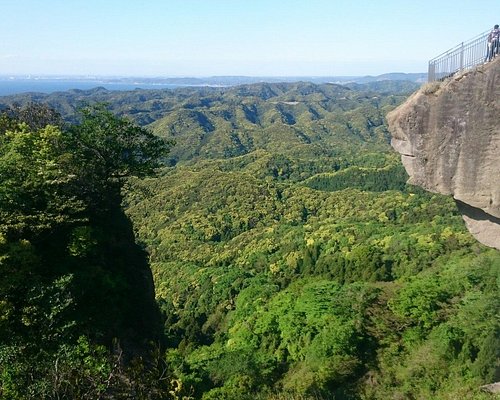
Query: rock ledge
448, 134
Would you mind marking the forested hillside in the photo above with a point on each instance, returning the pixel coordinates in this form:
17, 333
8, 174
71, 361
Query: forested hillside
290, 259
76, 290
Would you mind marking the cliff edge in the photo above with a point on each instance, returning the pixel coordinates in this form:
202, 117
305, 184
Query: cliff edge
448, 135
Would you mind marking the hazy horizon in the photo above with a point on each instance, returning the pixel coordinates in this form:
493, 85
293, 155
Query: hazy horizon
95, 76
10, 85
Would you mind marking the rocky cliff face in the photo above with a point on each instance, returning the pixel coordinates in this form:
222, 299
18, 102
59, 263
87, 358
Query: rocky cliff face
448, 134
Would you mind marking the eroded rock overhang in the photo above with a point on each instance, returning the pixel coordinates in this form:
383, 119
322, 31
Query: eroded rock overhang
448, 135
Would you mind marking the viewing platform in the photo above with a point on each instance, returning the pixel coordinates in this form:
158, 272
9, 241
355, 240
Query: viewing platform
466, 55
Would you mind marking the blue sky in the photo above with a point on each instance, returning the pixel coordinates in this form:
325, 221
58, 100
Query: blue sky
233, 37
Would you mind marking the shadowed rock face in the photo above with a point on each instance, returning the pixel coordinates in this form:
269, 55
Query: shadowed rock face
448, 135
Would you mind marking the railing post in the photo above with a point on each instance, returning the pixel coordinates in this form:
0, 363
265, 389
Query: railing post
431, 72
462, 57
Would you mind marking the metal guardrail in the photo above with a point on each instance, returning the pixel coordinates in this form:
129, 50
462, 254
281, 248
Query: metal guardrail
465, 55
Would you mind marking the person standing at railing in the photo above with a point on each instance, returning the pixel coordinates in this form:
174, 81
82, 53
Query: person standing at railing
493, 43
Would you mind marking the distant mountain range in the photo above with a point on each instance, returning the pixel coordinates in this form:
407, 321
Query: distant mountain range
146, 106
227, 80
240, 80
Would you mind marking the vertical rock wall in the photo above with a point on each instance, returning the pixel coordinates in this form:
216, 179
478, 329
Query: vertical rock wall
448, 134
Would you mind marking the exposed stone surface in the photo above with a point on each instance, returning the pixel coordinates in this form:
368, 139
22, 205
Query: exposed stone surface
448, 134
492, 388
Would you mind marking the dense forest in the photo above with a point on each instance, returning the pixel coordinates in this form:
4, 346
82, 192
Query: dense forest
253, 242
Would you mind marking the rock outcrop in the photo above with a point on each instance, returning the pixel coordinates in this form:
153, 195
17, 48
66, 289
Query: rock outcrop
448, 135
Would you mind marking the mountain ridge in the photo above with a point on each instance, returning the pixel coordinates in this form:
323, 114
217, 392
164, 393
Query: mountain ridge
227, 80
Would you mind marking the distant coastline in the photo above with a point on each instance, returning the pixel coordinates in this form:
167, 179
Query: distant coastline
17, 86
10, 85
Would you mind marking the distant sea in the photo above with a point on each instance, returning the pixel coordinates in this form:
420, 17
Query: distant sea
15, 86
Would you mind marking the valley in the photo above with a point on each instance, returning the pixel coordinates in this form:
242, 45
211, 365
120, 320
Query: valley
289, 257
